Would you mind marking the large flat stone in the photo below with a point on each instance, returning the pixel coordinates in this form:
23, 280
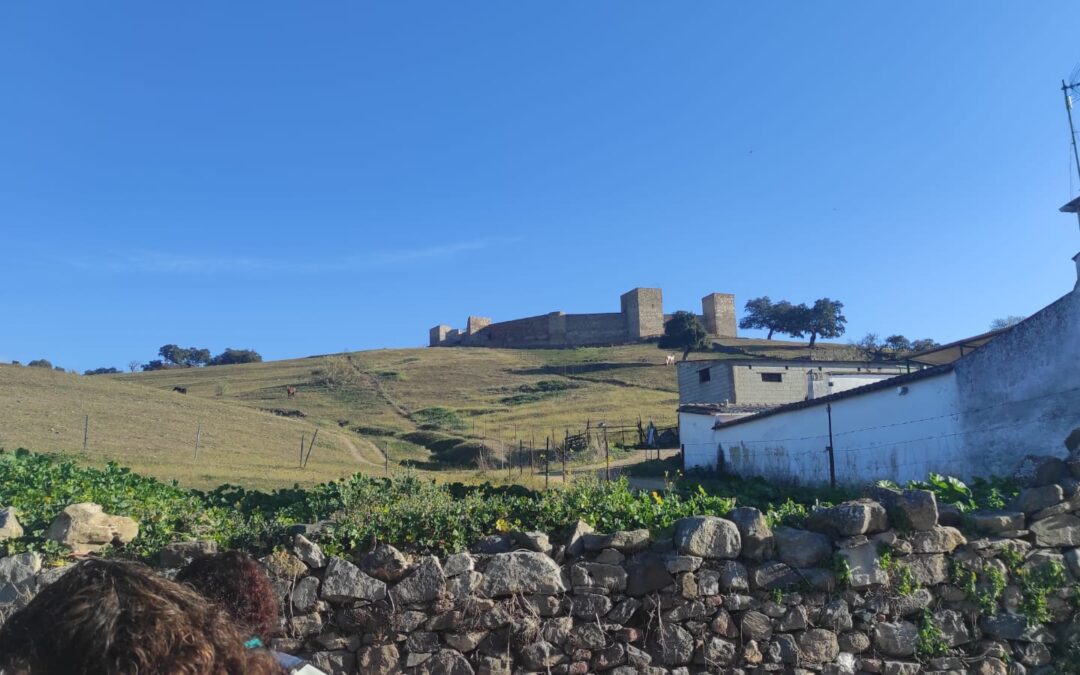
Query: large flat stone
754, 530
849, 519
425, 583
865, 566
801, 548
708, 537
344, 581
524, 572
1057, 531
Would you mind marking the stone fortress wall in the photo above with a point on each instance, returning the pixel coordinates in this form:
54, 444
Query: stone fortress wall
640, 317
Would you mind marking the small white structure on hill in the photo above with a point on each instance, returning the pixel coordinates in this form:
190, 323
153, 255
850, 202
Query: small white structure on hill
979, 412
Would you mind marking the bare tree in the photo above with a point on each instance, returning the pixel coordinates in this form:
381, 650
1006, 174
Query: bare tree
134, 366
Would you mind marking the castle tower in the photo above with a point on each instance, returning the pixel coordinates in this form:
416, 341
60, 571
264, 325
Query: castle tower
437, 335
643, 312
475, 323
719, 312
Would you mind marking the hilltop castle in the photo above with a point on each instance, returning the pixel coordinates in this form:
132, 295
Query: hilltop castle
640, 318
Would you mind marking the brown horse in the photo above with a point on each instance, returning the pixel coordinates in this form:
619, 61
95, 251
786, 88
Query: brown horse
290, 391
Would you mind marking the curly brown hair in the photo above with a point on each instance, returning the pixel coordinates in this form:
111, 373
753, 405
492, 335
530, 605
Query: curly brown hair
117, 617
238, 584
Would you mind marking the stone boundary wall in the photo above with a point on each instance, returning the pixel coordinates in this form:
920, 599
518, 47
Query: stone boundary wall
892, 584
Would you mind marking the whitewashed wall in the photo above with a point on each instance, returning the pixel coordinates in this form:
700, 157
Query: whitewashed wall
875, 435
1018, 395
1021, 392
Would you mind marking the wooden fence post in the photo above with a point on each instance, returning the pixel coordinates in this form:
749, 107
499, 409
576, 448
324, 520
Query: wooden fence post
311, 445
198, 436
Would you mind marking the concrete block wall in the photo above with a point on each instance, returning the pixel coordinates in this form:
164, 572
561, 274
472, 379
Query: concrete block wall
740, 382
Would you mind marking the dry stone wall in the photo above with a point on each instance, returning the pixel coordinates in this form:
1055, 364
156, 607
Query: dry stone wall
892, 584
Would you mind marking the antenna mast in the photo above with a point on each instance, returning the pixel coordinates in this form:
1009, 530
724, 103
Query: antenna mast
1066, 90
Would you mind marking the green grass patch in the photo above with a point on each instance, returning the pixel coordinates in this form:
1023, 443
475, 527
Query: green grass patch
538, 391
439, 418
372, 430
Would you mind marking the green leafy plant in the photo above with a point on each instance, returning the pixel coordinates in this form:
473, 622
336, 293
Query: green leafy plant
930, 641
985, 591
1036, 585
1012, 557
842, 570
903, 581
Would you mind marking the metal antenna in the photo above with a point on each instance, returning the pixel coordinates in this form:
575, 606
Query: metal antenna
1066, 91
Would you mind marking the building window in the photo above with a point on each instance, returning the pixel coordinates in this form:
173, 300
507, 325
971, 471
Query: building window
772, 377
703, 376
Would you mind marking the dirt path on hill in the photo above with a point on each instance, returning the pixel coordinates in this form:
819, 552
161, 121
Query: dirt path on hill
358, 455
376, 384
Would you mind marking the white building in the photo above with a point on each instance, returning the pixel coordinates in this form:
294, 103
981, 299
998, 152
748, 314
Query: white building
773, 382
978, 413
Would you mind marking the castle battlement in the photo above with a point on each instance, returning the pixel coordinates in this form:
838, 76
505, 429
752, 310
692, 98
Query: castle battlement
640, 318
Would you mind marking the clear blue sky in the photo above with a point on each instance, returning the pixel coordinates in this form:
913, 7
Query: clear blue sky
301, 178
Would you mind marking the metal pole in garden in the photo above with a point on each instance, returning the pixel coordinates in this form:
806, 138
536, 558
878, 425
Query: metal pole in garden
607, 458
547, 463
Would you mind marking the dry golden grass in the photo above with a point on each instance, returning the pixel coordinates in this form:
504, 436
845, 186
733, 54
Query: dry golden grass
359, 402
153, 431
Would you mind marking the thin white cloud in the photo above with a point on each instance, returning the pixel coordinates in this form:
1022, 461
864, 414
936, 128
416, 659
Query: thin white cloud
158, 262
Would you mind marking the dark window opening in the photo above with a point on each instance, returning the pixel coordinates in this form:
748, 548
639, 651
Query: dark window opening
703, 375
772, 377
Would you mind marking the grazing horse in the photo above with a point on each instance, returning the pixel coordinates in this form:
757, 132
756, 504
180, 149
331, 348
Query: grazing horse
669, 360
182, 390
290, 391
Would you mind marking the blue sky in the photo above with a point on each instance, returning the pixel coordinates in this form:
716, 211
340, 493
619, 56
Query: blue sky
303, 178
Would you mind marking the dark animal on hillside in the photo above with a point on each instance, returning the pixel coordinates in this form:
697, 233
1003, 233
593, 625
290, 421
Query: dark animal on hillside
182, 390
290, 391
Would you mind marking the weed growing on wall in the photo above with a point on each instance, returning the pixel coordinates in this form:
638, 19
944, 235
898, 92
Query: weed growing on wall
930, 641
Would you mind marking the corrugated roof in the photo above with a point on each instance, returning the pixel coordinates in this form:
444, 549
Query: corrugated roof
952, 351
722, 408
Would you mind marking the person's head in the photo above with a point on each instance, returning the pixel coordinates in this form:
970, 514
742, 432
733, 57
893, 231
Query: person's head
121, 618
238, 584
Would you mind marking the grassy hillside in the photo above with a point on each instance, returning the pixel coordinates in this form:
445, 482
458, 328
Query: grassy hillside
460, 403
154, 431
493, 395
